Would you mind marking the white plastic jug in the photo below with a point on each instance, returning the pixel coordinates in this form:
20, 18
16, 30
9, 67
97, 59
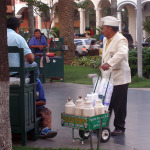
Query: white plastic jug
79, 104
95, 97
88, 110
99, 108
85, 99
92, 97
70, 107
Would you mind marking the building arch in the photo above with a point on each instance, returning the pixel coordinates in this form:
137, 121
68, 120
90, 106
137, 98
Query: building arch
55, 22
54, 2
20, 10
102, 6
90, 16
94, 3
130, 23
145, 1
122, 4
145, 16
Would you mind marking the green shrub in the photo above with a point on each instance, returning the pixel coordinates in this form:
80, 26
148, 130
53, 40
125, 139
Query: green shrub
95, 61
136, 79
145, 61
91, 61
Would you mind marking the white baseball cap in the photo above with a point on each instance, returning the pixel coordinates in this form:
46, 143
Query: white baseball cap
110, 21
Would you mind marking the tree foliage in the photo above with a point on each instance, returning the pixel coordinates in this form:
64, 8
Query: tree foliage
146, 26
43, 10
82, 4
55, 32
145, 61
38, 7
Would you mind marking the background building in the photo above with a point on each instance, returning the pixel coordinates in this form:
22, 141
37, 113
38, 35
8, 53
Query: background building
91, 16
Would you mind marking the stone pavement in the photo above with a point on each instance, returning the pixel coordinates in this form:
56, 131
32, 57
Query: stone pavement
137, 136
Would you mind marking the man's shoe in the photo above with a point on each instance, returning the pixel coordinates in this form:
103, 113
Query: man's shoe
47, 133
117, 132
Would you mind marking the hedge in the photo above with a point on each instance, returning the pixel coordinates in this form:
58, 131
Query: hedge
145, 61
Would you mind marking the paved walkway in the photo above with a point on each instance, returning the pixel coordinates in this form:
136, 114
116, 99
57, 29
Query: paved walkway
137, 136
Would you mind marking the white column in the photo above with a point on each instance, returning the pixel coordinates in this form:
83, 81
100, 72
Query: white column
119, 17
52, 11
53, 19
136, 27
39, 22
82, 20
97, 18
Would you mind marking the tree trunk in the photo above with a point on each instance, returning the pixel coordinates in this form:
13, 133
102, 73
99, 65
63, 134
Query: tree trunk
114, 8
66, 24
5, 131
31, 20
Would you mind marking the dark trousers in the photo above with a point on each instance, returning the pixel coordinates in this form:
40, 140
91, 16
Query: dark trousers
118, 103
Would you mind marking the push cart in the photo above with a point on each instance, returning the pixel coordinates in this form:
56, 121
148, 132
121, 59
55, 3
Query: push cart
86, 125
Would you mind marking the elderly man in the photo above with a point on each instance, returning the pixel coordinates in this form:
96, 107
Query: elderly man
115, 62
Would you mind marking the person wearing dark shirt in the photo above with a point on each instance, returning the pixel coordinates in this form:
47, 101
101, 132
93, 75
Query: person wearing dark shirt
38, 41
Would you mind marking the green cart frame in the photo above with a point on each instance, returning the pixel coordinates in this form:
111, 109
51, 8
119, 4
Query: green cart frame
86, 125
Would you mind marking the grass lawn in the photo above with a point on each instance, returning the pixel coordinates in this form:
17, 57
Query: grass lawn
79, 74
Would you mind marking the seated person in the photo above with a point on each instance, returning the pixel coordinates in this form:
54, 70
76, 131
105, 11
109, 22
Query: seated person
41, 110
38, 42
93, 48
15, 39
93, 45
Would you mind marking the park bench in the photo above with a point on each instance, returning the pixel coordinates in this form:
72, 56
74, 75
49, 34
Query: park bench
22, 99
55, 67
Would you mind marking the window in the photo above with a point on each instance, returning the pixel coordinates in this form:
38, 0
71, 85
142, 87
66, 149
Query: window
78, 42
88, 42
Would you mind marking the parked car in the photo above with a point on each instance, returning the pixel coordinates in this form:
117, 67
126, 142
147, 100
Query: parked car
82, 46
146, 43
130, 40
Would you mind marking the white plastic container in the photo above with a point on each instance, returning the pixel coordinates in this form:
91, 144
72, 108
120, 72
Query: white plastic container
88, 110
95, 97
92, 97
70, 107
79, 104
99, 108
85, 99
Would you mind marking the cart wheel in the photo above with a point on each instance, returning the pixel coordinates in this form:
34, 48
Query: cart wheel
105, 135
86, 135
